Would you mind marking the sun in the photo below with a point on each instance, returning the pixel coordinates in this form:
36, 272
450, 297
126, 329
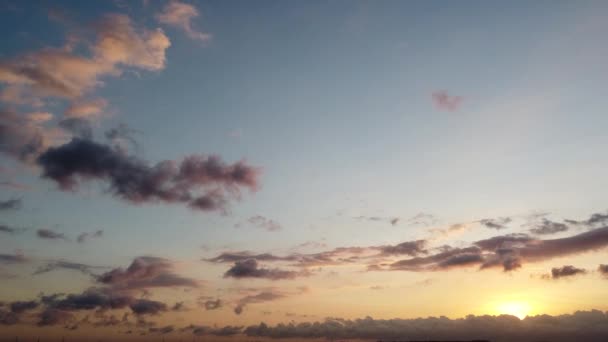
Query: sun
517, 309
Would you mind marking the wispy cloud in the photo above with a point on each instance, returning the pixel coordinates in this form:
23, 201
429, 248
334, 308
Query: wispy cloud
180, 15
443, 101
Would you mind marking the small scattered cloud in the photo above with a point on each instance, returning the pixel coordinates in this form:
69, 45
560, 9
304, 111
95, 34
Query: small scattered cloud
548, 227
17, 258
68, 265
11, 204
565, 271
262, 222
422, 219
83, 237
211, 304
50, 235
496, 223
443, 101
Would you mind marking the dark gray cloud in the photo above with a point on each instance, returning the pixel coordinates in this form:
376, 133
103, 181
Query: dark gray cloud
249, 269
146, 272
22, 306
68, 265
50, 235
17, 258
230, 257
11, 204
9, 230
566, 271
593, 221
411, 248
448, 258
8, 318
52, 316
508, 251
147, 307
202, 330
93, 298
603, 269
496, 223
86, 236
581, 326
547, 227
264, 296
203, 183
163, 330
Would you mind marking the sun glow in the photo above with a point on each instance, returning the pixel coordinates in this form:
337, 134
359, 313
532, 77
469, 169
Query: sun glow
517, 309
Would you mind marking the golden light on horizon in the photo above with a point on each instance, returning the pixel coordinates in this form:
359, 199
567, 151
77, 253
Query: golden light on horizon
518, 309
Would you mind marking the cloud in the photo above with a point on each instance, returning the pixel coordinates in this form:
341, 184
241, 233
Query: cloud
59, 72
507, 251
135, 181
86, 236
147, 307
547, 227
78, 127
21, 138
422, 219
180, 15
443, 101
411, 248
10, 230
121, 134
212, 304
14, 185
263, 223
146, 272
392, 220
249, 269
162, 331
264, 296
603, 269
93, 298
566, 271
22, 306
67, 265
83, 109
582, 325
51, 316
336, 256
592, 221
17, 258
50, 235
8, 317
11, 204
497, 223
201, 330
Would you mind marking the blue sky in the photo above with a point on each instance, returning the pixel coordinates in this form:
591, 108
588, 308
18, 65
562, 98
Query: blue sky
333, 101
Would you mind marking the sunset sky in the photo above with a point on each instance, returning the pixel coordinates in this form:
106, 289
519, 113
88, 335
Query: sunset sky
194, 168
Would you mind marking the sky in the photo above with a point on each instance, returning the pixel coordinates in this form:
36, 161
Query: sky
243, 169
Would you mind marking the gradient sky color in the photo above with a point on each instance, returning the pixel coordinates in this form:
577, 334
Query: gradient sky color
362, 125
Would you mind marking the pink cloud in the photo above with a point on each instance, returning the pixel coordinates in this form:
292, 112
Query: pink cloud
443, 101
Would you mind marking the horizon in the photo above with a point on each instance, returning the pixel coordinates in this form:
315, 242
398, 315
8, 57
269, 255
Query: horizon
229, 170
